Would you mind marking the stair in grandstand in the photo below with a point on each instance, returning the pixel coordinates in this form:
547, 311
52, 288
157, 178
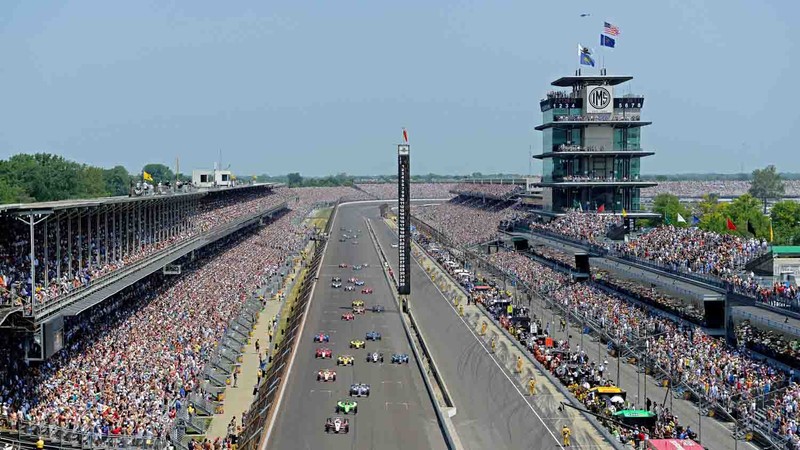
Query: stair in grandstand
760, 264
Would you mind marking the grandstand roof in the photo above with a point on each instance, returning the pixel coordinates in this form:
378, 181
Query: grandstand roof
786, 250
609, 80
11, 208
602, 153
596, 183
581, 123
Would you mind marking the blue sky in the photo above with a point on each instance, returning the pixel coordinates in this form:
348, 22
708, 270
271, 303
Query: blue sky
322, 87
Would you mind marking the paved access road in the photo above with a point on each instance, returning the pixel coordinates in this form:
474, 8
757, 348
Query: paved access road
492, 412
399, 413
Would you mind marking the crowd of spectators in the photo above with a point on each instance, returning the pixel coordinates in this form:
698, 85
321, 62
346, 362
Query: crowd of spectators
388, 191
488, 189
769, 343
723, 188
693, 250
466, 225
129, 364
598, 118
586, 227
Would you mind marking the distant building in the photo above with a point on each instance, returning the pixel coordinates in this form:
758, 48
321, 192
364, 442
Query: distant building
592, 147
212, 178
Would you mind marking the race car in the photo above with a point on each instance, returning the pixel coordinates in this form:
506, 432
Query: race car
356, 303
337, 425
375, 357
326, 375
366, 291
342, 265
346, 406
352, 280
359, 390
348, 316
399, 358
373, 336
341, 239
355, 242
322, 337
336, 284
377, 308
345, 360
323, 352
365, 265
357, 343
357, 267
394, 245
349, 288
358, 310
359, 282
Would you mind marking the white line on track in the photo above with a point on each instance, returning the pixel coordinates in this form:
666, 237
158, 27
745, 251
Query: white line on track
499, 366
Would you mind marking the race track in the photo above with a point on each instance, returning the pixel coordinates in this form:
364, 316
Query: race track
399, 413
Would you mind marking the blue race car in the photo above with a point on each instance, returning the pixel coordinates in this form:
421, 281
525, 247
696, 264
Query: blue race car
322, 337
377, 308
399, 358
359, 390
359, 282
373, 336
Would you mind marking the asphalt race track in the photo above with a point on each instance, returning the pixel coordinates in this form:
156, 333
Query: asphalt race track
491, 412
398, 414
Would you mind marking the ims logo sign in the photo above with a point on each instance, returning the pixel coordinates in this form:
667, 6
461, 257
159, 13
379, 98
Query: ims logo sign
599, 98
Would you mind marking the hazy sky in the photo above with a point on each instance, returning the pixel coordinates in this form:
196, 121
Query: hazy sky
325, 86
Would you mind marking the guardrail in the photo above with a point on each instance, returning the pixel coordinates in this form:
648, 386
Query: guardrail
166, 255
448, 399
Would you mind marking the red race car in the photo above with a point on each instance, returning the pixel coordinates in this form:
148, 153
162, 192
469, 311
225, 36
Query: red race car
324, 352
366, 291
326, 375
352, 280
348, 316
343, 265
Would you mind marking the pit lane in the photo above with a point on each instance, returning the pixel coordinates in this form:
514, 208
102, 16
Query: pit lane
398, 413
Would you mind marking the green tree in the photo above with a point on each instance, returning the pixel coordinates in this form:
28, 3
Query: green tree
709, 204
744, 209
117, 180
294, 179
786, 222
669, 207
160, 173
766, 184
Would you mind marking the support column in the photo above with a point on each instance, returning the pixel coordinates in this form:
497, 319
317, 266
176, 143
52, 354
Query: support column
80, 241
58, 248
105, 237
97, 238
46, 257
69, 246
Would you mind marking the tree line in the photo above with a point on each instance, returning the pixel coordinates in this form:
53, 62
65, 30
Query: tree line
749, 214
45, 177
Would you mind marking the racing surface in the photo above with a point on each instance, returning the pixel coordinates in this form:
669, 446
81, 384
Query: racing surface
398, 414
492, 414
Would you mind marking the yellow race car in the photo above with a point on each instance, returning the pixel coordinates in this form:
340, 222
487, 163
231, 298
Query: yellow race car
357, 343
345, 360
358, 303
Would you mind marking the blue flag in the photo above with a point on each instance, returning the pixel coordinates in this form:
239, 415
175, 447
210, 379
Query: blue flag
585, 56
606, 41
695, 220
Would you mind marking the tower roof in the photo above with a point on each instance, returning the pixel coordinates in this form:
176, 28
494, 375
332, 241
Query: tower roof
610, 80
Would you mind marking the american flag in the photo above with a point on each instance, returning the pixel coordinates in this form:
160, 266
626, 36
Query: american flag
611, 30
